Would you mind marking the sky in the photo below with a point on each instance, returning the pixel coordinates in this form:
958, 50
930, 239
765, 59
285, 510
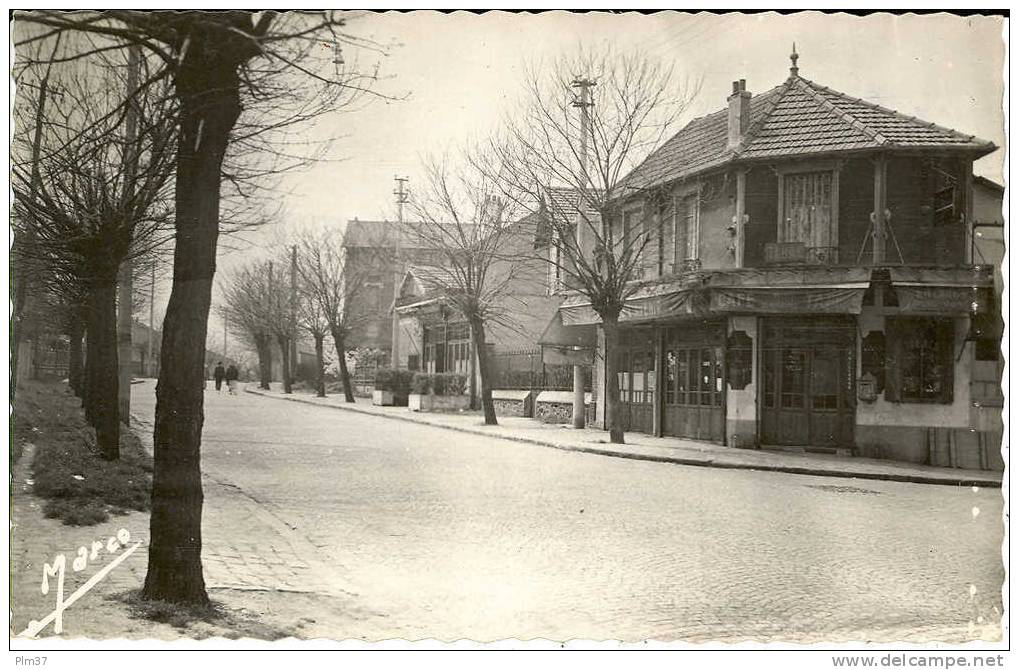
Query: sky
462, 75
459, 75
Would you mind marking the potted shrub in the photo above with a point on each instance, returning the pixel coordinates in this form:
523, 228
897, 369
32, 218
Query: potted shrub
402, 380
449, 392
383, 392
420, 392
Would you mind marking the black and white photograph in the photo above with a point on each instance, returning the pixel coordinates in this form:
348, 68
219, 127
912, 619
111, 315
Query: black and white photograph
547, 329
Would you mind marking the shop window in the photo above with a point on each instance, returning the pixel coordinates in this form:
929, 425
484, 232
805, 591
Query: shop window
921, 360
741, 362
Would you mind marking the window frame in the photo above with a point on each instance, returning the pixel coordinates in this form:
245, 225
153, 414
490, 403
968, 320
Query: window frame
640, 260
898, 329
692, 226
809, 167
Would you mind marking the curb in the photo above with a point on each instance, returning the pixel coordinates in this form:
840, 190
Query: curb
676, 460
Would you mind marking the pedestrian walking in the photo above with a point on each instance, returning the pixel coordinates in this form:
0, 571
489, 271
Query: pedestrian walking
218, 374
231, 379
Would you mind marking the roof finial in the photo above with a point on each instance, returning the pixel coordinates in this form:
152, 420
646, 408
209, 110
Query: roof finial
793, 57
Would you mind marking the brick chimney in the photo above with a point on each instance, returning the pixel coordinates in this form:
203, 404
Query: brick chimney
739, 113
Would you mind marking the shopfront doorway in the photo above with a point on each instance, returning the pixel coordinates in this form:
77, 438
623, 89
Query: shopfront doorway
809, 394
637, 379
694, 383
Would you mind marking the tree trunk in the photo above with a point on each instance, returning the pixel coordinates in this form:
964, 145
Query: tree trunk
102, 405
341, 351
263, 346
284, 343
613, 418
75, 360
207, 85
487, 404
125, 324
320, 366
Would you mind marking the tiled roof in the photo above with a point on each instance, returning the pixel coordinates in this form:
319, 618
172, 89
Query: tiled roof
700, 145
797, 118
563, 202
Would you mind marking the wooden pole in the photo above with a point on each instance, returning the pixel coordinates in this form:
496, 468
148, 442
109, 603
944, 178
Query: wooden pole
124, 316
880, 202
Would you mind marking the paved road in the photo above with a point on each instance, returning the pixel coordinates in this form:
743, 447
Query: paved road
447, 535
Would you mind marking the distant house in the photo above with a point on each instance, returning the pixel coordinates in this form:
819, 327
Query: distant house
817, 281
370, 248
436, 338
142, 365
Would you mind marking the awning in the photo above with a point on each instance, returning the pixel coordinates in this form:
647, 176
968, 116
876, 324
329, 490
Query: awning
567, 345
944, 291
820, 290
563, 336
683, 297
814, 300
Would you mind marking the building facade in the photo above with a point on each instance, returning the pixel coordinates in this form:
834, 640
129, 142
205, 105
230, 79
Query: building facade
370, 248
810, 281
435, 337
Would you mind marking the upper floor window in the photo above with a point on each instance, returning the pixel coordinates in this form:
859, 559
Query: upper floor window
634, 239
808, 213
685, 223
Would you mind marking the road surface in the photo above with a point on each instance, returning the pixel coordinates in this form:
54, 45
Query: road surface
447, 535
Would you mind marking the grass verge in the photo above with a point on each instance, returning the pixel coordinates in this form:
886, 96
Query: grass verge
202, 621
80, 488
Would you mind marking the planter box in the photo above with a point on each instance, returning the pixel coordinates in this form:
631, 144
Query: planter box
383, 398
557, 407
513, 403
418, 402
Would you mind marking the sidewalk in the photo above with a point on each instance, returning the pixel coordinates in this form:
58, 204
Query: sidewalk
267, 578
663, 450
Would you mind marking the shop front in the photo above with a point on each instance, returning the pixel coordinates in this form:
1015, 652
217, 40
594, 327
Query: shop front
809, 396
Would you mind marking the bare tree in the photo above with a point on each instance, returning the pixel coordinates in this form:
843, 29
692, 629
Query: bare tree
280, 317
246, 304
91, 199
273, 68
327, 280
588, 143
467, 223
312, 318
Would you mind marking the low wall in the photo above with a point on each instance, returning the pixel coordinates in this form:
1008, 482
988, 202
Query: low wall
557, 407
513, 403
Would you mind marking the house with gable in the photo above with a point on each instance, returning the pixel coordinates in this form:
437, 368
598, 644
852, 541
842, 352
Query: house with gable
809, 282
435, 336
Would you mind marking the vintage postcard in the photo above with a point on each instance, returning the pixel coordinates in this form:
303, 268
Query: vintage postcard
524, 329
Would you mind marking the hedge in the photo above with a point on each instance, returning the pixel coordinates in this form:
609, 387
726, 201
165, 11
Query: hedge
439, 383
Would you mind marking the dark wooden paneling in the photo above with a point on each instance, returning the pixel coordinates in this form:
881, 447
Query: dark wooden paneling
762, 210
856, 202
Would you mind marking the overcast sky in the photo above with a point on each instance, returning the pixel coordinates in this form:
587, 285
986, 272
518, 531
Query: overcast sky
462, 73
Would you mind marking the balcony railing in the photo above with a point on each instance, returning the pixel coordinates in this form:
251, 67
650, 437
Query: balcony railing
797, 253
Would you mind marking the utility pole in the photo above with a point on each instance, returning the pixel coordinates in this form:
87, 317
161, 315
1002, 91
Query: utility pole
401, 199
21, 276
293, 314
225, 317
124, 316
584, 103
152, 320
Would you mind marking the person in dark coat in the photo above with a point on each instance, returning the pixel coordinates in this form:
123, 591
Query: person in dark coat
218, 374
231, 379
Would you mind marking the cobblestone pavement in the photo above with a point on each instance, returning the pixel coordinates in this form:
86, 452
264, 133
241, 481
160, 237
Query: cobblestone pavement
448, 535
